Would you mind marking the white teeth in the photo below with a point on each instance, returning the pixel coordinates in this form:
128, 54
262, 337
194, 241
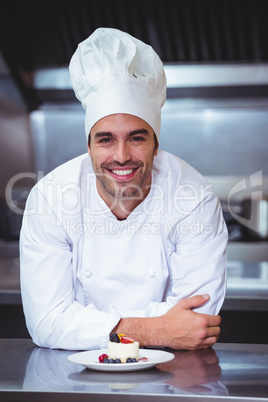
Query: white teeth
122, 172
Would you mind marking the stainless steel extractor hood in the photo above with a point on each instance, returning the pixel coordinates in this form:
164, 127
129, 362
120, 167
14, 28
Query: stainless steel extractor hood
40, 35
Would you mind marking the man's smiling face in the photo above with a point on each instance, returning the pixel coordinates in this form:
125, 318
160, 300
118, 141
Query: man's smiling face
122, 148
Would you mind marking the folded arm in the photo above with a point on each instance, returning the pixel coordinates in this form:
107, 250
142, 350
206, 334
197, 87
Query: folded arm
180, 328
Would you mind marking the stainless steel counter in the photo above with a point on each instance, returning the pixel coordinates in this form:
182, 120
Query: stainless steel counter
227, 372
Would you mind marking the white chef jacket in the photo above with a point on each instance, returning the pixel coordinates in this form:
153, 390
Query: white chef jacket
82, 269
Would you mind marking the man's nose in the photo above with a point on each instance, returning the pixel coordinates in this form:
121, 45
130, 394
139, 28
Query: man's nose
122, 153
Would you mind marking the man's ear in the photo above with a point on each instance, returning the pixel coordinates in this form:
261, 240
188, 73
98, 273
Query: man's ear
88, 145
156, 145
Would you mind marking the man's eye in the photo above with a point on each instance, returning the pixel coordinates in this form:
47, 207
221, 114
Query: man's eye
105, 140
137, 139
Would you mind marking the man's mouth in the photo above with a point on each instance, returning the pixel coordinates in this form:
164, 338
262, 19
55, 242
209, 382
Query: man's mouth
122, 172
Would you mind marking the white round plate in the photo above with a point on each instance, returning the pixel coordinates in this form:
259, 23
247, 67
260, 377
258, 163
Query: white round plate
90, 360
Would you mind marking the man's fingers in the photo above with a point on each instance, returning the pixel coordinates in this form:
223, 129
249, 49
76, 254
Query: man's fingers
213, 331
214, 320
195, 301
210, 341
190, 329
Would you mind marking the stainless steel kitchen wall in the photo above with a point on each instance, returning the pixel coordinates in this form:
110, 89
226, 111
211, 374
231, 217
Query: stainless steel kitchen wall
227, 138
16, 152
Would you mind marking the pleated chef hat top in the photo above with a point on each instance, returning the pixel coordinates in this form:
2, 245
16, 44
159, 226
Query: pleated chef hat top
113, 72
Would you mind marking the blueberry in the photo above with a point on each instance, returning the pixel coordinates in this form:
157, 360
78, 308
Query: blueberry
114, 338
129, 360
134, 360
117, 361
110, 361
106, 361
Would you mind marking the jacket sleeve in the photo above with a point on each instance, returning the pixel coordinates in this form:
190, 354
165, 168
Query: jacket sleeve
53, 317
198, 263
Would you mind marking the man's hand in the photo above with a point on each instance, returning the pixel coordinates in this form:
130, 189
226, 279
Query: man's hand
187, 329
180, 328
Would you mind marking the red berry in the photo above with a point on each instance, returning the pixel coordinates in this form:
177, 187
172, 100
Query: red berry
102, 357
126, 339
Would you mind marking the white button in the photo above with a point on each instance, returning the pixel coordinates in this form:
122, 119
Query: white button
88, 273
152, 274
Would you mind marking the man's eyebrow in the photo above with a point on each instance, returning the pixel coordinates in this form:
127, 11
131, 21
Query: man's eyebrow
139, 131
101, 134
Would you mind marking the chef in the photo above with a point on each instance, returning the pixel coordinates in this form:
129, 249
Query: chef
125, 238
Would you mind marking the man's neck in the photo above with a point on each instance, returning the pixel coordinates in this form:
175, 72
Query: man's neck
122, 207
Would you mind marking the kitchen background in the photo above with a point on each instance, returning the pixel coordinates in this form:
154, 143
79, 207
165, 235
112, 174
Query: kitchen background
216, 118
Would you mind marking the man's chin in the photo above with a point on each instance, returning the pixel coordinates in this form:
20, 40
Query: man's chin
126, 193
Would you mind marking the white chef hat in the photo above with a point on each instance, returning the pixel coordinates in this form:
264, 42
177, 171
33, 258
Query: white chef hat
113, 72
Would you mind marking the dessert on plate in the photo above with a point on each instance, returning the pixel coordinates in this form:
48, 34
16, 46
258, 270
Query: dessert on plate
120, 349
